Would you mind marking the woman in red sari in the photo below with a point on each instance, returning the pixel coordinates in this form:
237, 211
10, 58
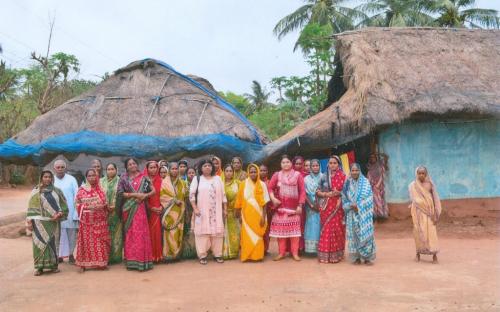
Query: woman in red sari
331, 243
93, 242
133, 189
288, 195
154, 210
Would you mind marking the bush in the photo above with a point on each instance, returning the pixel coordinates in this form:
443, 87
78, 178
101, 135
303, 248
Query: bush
17, 178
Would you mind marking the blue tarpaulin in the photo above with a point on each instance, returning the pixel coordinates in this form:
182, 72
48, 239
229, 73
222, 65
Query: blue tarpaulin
134, 145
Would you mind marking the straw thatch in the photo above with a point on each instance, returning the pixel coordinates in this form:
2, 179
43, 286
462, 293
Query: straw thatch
395, 74
125, 103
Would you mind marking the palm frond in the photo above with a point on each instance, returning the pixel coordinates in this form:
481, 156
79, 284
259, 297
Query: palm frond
293, 21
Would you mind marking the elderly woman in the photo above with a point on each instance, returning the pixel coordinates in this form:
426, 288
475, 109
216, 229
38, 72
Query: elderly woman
133, 189
357, 201
425, 211
93, 242
46, 209
209, 203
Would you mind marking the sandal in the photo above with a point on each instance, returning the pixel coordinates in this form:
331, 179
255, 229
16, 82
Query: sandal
203, 261
219, 259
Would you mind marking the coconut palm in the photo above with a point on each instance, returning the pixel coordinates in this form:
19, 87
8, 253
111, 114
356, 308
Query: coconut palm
458, 13
321, 12
259, 97
396, 13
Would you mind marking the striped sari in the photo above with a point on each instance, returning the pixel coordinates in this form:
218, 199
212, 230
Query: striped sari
110, 187
172, 219
359, 224
43, 205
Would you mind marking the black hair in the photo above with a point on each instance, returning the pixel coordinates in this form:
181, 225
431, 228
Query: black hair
112, 164
227, 165
285, 156
88, 171
203, 162
183, 161
129, 159
44, 172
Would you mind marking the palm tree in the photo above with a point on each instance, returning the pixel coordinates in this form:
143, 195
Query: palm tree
458, 13
260, 96
396, 13
320, 12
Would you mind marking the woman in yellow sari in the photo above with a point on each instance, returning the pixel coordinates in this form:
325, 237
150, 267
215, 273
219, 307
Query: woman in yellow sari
231, 245
173, 194
425, 211
252, 199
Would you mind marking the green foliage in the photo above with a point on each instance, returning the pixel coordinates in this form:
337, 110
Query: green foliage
396, 13
43, 85
239, 101
17, 178
459, 13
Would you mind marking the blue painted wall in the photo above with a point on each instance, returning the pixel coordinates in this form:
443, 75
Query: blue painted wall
463, 158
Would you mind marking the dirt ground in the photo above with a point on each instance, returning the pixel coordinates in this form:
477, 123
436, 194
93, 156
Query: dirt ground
466, 279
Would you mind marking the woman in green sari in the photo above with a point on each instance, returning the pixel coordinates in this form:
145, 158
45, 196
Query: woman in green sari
188, 242
109, 185
46, 209
172, 197
231, 245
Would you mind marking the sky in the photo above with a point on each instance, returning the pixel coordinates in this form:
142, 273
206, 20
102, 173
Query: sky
228, 42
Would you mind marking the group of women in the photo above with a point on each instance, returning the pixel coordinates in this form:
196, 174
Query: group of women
170, 211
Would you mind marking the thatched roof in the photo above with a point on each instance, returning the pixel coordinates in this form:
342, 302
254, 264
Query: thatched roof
397, 74
123, 103
146, 98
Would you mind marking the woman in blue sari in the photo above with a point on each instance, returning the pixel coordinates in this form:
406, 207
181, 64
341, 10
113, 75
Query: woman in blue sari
357, 200
312, 226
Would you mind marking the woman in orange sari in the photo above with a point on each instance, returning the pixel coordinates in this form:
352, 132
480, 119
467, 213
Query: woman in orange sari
425, 212
251, 200
155, 210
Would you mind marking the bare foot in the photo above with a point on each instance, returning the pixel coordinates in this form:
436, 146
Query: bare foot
296, 258
368, 262
81, 270
38, 272
435, 259
418, 257
357, 262
55, 271
279, 257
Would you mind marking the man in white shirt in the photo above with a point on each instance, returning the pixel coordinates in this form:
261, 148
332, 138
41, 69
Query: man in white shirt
69, 228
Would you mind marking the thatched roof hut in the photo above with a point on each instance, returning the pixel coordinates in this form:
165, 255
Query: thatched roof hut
418, 96
392, 75
146, 109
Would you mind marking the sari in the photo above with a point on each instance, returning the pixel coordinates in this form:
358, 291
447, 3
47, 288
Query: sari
269, 217
110, 188
219, 171
172, 219
425, 212
312, 225
154, 218
332, 236
375, 175
251, 199
231, 244
188, 239
359, 224
138, 252
93, 241
42, 206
